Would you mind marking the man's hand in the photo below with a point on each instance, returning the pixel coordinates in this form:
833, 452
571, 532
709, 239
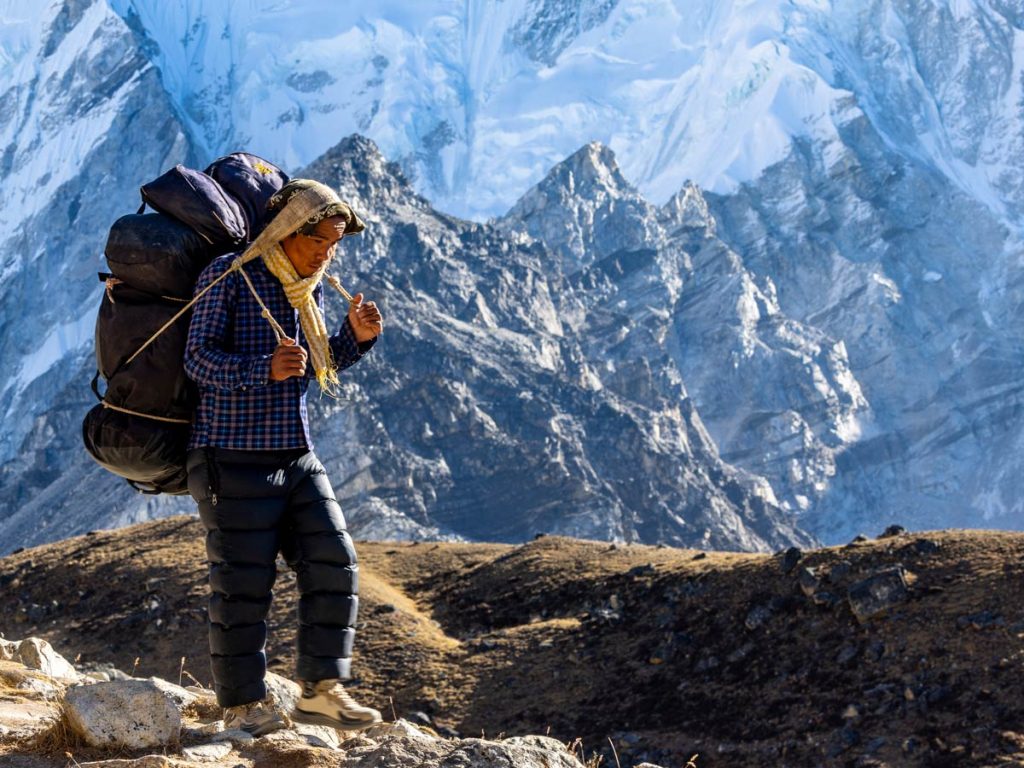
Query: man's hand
289, 360
365, 318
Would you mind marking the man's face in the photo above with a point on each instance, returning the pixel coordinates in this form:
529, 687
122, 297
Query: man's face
307, 253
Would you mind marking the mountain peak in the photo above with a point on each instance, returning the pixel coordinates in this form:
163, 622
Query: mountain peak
687, 211
590, 169
357, 167
586, 195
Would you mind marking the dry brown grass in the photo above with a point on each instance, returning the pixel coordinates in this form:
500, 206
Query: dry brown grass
56, 740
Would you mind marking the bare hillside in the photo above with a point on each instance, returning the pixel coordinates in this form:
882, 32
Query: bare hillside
902, 650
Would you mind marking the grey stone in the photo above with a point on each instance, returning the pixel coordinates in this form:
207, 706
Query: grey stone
127, 713
8, 649
791, 558
234, 735
207, 753
757, 617
284, 693
36, 653
981, 620
181, 697
879, 593
809, 581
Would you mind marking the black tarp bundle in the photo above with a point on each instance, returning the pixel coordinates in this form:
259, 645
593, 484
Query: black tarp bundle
154, 261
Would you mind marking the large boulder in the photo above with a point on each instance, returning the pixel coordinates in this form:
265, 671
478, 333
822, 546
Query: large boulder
127, 713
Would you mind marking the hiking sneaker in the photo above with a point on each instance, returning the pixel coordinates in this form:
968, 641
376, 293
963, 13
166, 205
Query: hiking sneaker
328, 703
256, 718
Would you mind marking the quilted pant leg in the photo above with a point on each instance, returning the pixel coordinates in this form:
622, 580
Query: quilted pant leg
242, 497
320, 551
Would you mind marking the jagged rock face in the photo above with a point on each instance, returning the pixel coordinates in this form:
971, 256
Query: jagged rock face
83, 119
665, 294
915, 277
488, 410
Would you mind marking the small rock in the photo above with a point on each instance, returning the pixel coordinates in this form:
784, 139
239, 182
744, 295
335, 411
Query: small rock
181, 697
234, 735
847, 654
860, 538
877, 594
892, 531
875, 650
399, 729
421, 717
207, 753
284, 693
97, 713
319, 735
808, 581
824, 599
700, 556
757, 617
36, 653
741, 653
8, 650
790, 558
921, 547
874, 745
641, 570
980, 620
911, 745
707, 664
851, 713
283, 737
839, 571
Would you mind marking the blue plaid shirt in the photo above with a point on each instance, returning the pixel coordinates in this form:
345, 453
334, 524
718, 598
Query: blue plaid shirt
228, 355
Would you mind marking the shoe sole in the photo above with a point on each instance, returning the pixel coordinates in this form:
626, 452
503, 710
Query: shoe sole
269, 728
315, 718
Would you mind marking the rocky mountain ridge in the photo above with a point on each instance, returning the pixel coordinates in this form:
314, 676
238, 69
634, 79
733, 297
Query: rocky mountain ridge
844, 298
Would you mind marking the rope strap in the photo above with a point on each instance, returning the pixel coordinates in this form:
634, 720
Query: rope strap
278, 330
336, 283
145, 415
235, 265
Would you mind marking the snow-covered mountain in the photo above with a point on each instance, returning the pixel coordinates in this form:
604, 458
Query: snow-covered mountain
813, 211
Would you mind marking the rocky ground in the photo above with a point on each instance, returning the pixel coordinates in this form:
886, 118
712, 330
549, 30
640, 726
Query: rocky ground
902, 650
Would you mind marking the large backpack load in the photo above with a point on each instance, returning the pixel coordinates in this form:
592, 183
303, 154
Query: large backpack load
141, 426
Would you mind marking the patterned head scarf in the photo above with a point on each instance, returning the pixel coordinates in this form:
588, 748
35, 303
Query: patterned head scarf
298, 207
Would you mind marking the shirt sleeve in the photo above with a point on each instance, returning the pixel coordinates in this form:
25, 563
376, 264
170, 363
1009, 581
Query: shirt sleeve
347, 351
206, 361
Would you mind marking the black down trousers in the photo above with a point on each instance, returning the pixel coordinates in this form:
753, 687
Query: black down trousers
255, 504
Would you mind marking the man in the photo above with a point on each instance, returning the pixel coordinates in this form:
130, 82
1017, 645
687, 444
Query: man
257, 337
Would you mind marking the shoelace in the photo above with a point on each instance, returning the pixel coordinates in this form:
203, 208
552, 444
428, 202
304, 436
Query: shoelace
337, 689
